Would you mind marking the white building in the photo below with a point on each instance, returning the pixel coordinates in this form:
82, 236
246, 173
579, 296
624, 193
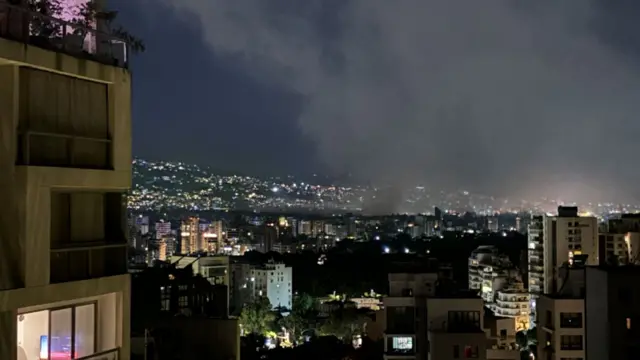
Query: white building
513, 302
273, 281
482, 259
568, 238
495, 278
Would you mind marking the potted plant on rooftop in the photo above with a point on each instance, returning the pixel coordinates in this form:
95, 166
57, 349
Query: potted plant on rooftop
71, 27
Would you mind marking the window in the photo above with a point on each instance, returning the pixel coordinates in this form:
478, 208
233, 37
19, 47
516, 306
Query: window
503, 333
402, 343
60, 334
571, 342
84, 330
463, 320
471, 352
183, 301
456, 351
571, 320
407, 292
628, 323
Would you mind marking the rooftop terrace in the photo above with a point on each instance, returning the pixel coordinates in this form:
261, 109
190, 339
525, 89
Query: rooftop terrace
21, 24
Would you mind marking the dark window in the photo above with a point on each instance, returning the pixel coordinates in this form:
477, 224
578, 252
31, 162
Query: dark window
503, 334
571, 320
407, 292
548, 319
400, 320
571, 342
624, 295
463, 320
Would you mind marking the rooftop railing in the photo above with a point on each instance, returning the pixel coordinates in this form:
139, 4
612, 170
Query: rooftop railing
19, 23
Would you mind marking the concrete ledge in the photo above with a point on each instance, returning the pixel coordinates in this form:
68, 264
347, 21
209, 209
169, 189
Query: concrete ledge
11, 300
23, 54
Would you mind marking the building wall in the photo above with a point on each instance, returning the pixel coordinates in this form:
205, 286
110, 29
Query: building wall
48, 87
550, 330
559, 250
597, 308
274, 282
611, 305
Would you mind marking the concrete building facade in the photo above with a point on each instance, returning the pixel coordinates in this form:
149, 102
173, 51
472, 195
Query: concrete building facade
65, 135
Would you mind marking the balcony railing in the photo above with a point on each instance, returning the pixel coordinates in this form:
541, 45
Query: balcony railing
61, 150
87, 261
105, 355
18, 23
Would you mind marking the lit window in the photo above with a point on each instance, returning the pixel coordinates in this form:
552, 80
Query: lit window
628, 323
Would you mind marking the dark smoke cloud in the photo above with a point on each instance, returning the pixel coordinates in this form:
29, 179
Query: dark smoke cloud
509, 97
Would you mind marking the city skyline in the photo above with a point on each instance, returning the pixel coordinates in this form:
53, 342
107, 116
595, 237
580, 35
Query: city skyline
548, 110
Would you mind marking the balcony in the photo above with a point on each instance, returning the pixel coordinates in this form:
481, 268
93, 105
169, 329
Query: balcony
87, 261
20, 24
60, 150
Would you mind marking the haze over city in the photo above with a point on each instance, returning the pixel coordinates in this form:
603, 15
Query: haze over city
508, 98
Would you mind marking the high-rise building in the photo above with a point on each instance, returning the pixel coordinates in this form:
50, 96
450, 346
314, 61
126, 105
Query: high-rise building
65, 165
190, 235
163, 229
535, 256
567, 239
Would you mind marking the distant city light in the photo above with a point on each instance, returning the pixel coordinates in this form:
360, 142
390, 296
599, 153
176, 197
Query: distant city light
386, 250
275, 189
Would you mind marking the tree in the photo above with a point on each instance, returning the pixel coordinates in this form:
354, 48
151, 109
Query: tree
344, 324
83, 16
527, 342
301, 316
257, 317
91, 11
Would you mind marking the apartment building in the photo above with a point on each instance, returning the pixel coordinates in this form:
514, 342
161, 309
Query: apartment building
404, 305
512, 302
425, 320
65, 125
561, 318
273, 281
612, 306
535, 256
568, 238
619, 241
485, 259
190, 237
456, 327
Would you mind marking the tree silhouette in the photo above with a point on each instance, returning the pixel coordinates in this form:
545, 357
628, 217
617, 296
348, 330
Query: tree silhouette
256, 317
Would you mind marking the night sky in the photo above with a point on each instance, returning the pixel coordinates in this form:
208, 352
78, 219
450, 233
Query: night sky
509, 97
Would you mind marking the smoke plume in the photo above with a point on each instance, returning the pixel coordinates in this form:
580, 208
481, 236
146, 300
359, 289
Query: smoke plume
511, 97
